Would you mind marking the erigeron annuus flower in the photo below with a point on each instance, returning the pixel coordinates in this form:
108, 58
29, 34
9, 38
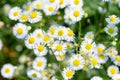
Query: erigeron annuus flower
94, 62
28, 7
61, 33
59, 48
89, 35
31, 41
50, 9
112, 70
1, 44
40, 50
38, 4
39, 63
113, 19
74, 3
7, 71
68, 19
38, 33
60, 57
20, 30
100, 48
52, 30
67, 73
111, 30
77, 62
14, 13
116, 77
23, 17
69, 45
96, 78
34, 17
46, 39
116, 60
6, 8
63, 3
88, 45
55, 2
34, 75
102, 58
70, 35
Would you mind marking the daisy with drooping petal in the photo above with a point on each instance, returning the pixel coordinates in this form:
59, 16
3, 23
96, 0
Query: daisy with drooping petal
59, 48
23, 17
34, 75
96, 78
20, 30
112, 70
116, 77
111, 30
14, 13
35, 17
77, 62
39, 63
38, 4
40, 50
7, 71
31, 41
67, 73
113, 19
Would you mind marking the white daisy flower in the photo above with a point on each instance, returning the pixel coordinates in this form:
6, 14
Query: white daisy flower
14, 13
67, 73
100, 48
20, 30
59, 48
31, 41
23, 17
69, 45
94, 62
96, 78
35, 17
55, 2
6, 8
112, 70
63, 3
38, 4
60, 57
70, 35
116, 77
89, 35
68, 19
88, 46
28, 7
102, 58
116, 60
61, 33
1, 44
39, 63
50, 9
77, 62
52, 30
34, 75
40, 50
113, 19
111, 30
46, 39
74, 3
7, 71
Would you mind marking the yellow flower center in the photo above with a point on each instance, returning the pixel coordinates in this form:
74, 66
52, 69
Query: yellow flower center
118, 79
52, 31
38, 5
19, 31
59, 47
60, 32
88, 46
50, 9
33, 14
39, 63
68, 45
39, 35
52, 1
27, 8
69, 74
40, 48
113, 71
113, 18
100, 49
62, 56
31, 40
111, 30
7, 70
94, 62
34, 75
76, 2
101, 56
46, 38
118, 58
24, 17
16, 13
61, 2
70, 33
76, 62
76, 13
